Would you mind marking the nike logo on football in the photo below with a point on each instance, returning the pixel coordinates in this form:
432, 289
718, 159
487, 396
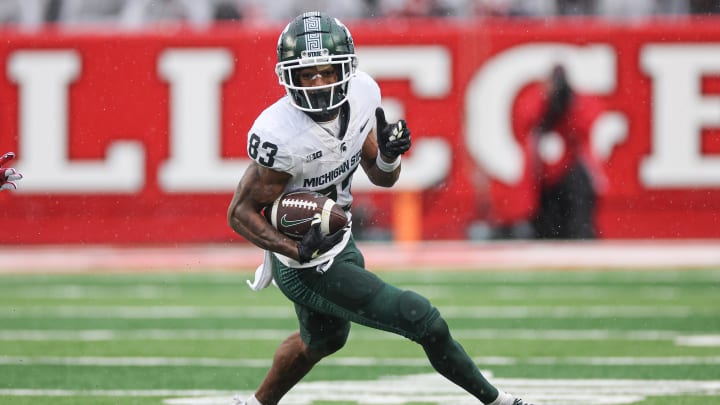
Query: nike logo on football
362, 127
287, 222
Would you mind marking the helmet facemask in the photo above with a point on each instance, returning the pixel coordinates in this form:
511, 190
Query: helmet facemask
322, 98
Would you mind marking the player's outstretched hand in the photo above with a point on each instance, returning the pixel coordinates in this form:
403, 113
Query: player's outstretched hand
393, 139
8, 176
315, 243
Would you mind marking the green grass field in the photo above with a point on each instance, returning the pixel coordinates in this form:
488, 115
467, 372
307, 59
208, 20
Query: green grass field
570, 337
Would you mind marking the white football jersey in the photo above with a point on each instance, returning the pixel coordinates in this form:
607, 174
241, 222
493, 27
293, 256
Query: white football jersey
285, 139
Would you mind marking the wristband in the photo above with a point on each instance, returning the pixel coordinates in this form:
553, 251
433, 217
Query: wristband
385, 166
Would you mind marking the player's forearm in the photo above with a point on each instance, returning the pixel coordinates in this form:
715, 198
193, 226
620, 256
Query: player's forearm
256, 230
386, 176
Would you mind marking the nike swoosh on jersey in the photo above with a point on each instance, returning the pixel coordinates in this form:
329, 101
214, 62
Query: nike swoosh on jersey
287, 222
362, 127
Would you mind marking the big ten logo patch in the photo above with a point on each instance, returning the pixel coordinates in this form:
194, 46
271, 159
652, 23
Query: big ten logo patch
315, 155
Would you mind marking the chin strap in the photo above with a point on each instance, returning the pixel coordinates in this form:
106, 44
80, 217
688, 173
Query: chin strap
324, 116
328, 115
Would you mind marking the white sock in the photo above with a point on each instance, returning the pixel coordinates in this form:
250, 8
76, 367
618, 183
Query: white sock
253, 401
503, 399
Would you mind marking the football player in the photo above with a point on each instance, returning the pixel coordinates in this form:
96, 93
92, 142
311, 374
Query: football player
329, 124
8, 176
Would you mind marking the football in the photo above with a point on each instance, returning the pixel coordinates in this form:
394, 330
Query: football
293, 212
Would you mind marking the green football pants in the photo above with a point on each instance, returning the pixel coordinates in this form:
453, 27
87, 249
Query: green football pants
327, 303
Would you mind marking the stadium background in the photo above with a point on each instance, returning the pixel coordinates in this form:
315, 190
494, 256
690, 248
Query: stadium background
137, 136
120, 282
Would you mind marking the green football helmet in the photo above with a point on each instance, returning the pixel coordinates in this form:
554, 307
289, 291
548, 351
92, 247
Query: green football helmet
315, 39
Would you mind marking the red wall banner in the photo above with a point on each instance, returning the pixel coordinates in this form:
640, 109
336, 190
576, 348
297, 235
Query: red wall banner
140, 137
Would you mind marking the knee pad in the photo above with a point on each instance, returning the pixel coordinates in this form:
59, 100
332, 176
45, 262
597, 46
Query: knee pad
331, 343
413, 306
425, 319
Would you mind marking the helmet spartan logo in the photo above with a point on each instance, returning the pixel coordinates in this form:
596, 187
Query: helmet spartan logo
311, 22
313, 38
343, 147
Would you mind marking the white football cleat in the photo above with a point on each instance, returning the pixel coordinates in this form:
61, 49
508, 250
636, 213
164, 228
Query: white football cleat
506, 399
237, 400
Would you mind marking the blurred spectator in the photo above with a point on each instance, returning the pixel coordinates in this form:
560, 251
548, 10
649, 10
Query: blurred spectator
227, 11
625, 9
576, 7
133, 14
414, 8
704, 6
569, 177
641, 8
26, 14
492, 8
80, 12
52, 10
277, 11
512, 8
137, 13
671, 7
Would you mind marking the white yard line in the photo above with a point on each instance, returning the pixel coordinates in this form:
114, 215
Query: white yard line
624, 254
698, 340
434, 389
426, 388
287, 312
351, 361
25, 392
363, 334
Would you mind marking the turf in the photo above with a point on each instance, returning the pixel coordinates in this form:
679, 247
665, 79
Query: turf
174, 338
